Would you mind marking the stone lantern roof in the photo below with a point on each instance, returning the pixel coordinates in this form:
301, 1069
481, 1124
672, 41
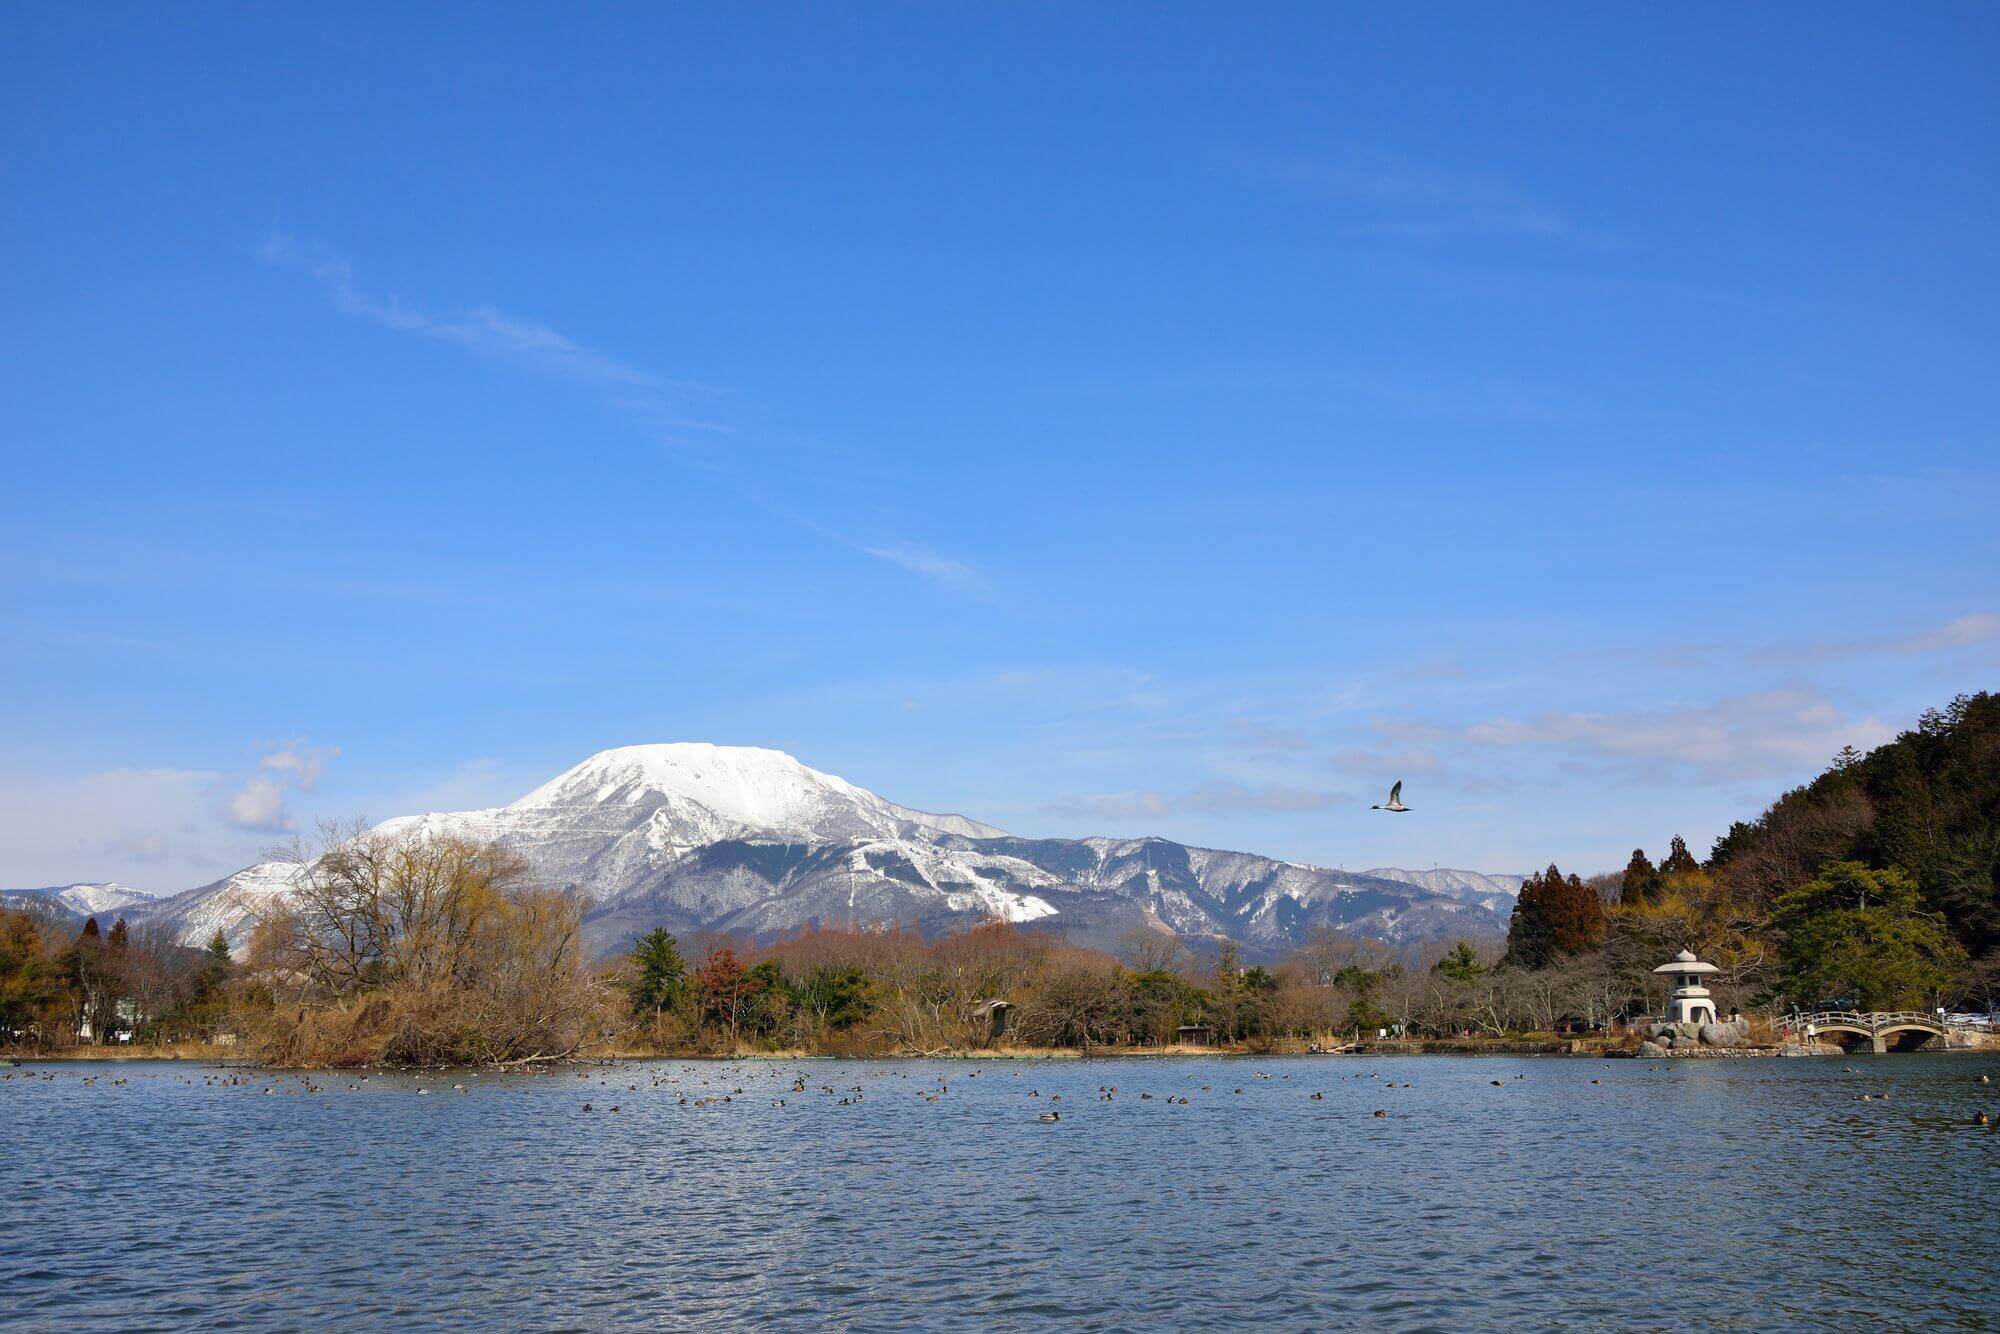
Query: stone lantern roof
1685, 962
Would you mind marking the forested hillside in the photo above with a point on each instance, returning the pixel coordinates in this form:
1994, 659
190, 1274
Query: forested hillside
1928, 804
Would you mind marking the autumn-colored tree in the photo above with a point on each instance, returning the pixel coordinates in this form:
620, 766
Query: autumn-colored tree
31, 987
1576, 916
1554, 917
725, 988
1679, 860
419, 948
90, 968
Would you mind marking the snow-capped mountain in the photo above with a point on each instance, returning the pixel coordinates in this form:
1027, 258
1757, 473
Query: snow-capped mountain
1496, 893
84, 900
694, 837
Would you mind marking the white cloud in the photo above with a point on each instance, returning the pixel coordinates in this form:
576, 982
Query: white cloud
299, 764
259, 806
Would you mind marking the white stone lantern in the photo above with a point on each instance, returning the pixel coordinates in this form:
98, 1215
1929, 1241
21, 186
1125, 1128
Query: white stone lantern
1690, 1003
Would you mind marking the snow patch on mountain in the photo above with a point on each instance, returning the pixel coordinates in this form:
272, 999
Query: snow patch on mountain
1496, 893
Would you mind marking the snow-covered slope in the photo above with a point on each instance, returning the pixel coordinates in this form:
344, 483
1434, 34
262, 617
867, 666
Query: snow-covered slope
232, 905
1493, 892
85, 900
700, 837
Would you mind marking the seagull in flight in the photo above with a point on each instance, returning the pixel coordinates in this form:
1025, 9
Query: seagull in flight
1395, 802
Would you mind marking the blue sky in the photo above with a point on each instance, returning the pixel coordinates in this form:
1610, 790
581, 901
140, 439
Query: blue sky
1098, 419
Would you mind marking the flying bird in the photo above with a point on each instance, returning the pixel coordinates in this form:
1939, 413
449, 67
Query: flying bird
1395, 802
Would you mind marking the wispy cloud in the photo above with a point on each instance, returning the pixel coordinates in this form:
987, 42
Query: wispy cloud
1769, 734
1217, 797
660, 406
1277, 797
159, 829
481, 329
1114, 806
1417, 200
925, 563
1974, 630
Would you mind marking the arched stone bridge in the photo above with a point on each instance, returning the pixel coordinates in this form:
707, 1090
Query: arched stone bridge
1882, 1031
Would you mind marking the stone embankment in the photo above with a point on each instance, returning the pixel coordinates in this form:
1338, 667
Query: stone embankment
1687, 1039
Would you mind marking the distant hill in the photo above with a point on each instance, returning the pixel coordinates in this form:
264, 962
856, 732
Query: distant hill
1496, 893
78, 900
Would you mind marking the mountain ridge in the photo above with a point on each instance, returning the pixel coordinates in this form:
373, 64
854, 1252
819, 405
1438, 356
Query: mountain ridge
699, 837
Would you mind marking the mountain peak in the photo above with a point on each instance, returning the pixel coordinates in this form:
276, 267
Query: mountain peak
749, 781
698, 791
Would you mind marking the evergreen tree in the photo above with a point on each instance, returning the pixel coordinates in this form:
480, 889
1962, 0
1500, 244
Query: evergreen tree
1679, 860
121, 935
1863, 937
1642, 879
90, 930
215, 967
1531, 938
659, 972
1460, 965
839, 996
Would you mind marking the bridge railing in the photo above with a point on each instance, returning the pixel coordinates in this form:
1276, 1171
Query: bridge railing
1873, 1021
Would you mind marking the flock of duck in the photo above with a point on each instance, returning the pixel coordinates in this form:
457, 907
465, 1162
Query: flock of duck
704, 1084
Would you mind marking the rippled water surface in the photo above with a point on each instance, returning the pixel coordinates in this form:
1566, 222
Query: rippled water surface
1755, 1193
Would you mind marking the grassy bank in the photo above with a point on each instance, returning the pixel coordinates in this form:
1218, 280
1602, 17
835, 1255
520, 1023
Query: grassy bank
125, 1051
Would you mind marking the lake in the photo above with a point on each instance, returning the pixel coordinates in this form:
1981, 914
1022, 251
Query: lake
1747, 1193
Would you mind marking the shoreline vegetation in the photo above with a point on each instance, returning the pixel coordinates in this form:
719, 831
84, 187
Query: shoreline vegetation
1875, 887
1530, 1045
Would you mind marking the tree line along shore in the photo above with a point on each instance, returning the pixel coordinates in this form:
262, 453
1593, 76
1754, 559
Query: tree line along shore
1875, 886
